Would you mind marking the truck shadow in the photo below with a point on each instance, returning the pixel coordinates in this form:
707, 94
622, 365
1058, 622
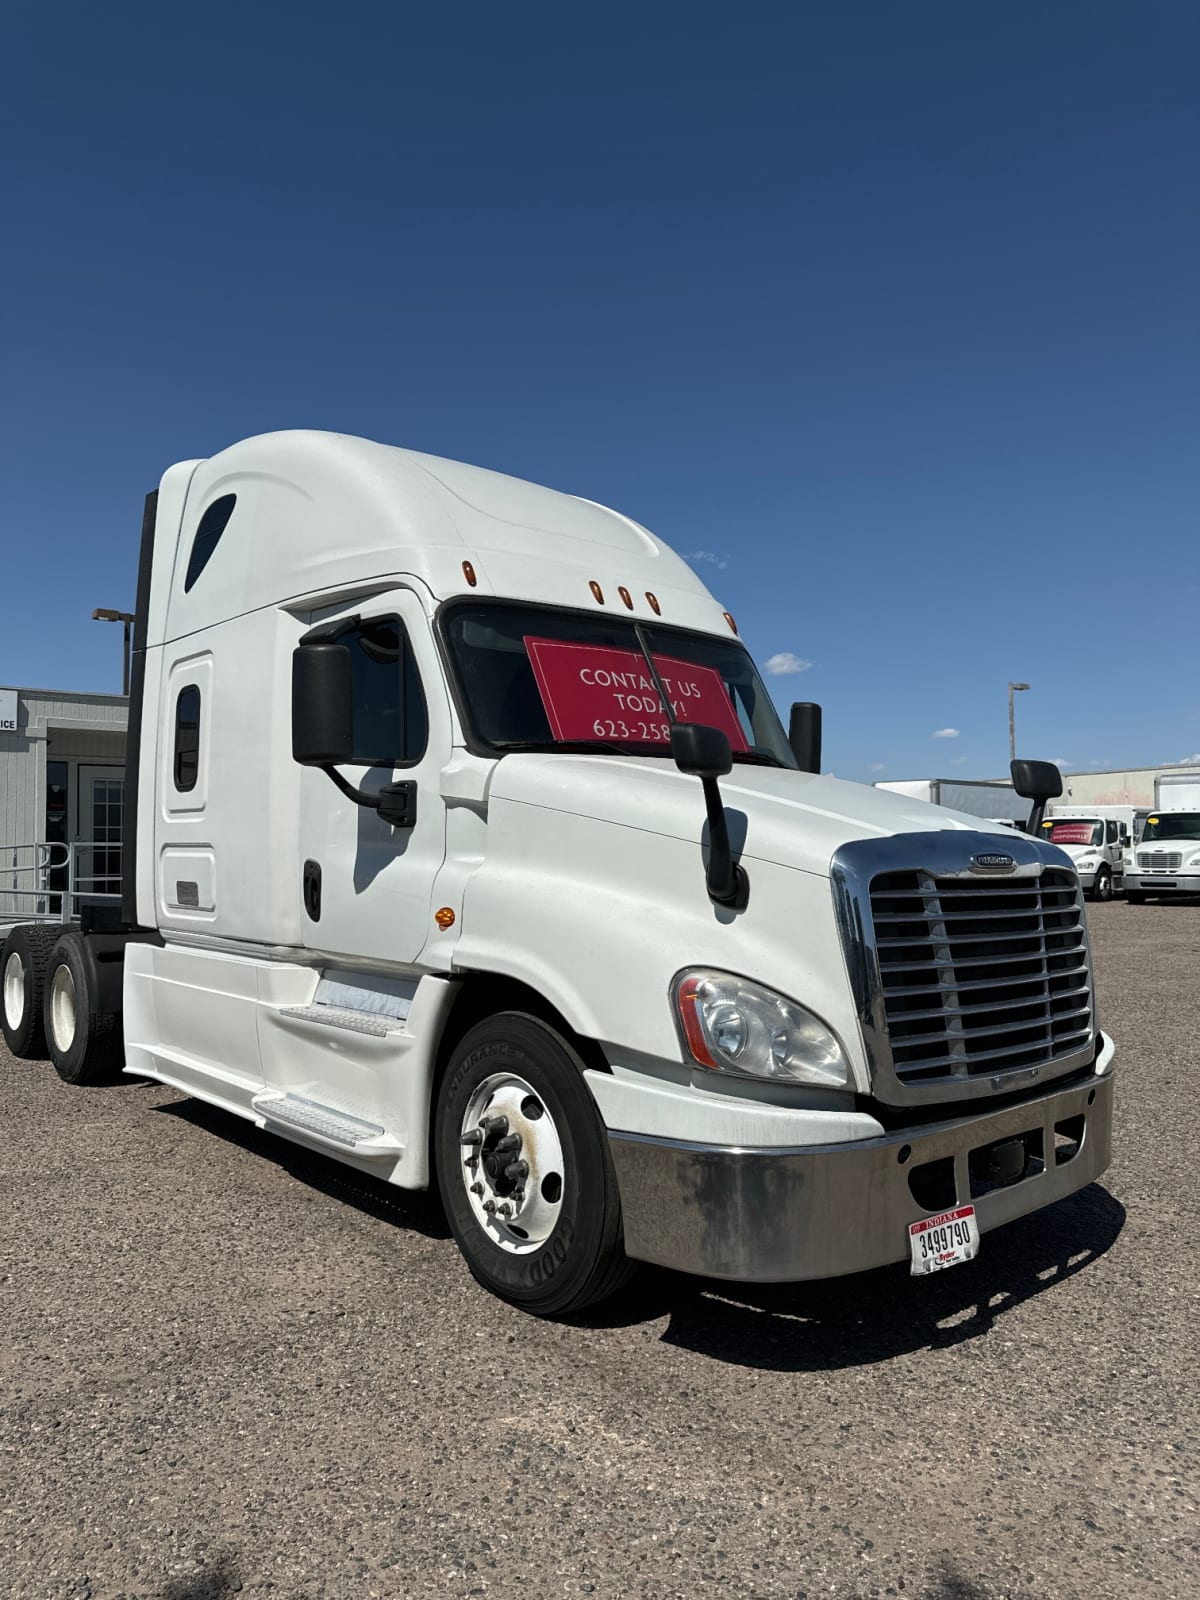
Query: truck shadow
419, 1210
795, 1327
852, 1322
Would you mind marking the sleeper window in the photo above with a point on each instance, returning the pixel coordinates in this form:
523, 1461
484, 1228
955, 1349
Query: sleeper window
212, 525
391, 726
187, 738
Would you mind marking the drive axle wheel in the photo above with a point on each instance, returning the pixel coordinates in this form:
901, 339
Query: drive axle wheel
524, 1169
84, 1043
22, 975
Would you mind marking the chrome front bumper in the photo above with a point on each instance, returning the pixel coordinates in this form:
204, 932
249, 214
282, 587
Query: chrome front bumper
777, 1215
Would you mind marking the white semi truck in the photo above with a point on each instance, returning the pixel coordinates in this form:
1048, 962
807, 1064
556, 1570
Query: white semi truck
466, 846
1167, 860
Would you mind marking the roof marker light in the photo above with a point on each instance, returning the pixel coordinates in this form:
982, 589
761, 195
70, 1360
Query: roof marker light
469, 574
626, 596
730, 621
654, 605
597, 592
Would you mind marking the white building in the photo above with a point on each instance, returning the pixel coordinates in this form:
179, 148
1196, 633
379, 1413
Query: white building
62, 783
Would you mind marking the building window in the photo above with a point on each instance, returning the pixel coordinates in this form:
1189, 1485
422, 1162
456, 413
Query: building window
391, 725
187, 738
212, 525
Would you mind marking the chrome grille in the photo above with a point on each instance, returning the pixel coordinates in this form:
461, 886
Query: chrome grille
1163, 860
980, 976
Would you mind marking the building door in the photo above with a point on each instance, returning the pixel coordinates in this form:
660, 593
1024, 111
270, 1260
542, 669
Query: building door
99, 830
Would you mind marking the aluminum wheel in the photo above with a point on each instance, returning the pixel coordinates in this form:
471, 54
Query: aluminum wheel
512, 1163
63, 1020
14, 990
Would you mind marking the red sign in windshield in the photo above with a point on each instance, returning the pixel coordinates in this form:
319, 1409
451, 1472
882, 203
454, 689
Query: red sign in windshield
1071, 833
598, 692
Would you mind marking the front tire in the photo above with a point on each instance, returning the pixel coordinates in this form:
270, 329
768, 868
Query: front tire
84, 1044
22, 978
524, 1170
1102, 887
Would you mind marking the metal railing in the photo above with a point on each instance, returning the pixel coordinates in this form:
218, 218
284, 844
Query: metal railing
93, 875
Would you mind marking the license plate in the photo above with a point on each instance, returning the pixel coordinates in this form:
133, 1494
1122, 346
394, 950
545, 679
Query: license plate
943, 1241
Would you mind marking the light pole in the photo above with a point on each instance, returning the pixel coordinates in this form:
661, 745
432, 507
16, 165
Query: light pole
1013, 688
126, 617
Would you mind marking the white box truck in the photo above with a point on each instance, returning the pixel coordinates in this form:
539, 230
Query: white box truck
987, 799
1099, 840
467, 847
1167, 859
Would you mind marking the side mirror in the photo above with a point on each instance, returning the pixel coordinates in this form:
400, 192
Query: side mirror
804, 735
322, 704
1038, 781
703, 752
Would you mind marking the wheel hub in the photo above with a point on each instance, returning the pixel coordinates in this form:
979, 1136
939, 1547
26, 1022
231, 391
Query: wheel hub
14, 990
512, 1163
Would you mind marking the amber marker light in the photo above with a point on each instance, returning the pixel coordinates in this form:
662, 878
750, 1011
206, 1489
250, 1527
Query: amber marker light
627, 597
469, 574
597, 592
652, 600
444, 918
730, 621
688, 1000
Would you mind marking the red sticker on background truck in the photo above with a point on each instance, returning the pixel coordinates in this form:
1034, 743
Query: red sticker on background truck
599, 692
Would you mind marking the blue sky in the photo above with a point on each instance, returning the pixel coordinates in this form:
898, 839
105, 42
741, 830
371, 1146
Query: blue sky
887, 315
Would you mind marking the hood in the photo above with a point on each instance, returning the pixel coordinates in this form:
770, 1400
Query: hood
795, 819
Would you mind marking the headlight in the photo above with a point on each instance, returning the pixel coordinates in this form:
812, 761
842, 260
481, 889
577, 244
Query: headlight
732, 1025
1194, 862
1087, 864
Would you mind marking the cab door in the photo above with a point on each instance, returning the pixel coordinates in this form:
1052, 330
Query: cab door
365, 885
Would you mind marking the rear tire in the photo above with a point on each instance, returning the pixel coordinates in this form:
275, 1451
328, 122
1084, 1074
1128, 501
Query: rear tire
1102, 888
85, 1045
548, 1238
22, 977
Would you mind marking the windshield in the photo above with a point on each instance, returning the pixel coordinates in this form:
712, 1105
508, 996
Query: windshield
536, 678
1180, 825
1073, 831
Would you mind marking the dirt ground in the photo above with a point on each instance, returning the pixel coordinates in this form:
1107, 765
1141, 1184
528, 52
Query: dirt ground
228, 1367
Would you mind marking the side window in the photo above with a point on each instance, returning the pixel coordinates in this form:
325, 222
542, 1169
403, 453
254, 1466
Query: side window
391, 724
208, 534
1111, 830
187, 738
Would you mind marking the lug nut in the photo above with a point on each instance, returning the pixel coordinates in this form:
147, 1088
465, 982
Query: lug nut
494, 1124
473, 1136
490, 1207
505, 1210
510, 1143
476, 1188
517, 1172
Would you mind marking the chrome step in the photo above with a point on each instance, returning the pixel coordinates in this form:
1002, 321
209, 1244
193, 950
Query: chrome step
325, 1123
372, 1022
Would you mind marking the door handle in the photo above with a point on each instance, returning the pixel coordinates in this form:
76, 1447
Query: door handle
312, 889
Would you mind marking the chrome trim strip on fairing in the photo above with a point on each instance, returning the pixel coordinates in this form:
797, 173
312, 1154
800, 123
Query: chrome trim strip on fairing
944, 854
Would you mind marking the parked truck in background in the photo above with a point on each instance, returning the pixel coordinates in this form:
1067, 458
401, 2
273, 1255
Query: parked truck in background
1099, 840
989, 800
1166, 862
466, 846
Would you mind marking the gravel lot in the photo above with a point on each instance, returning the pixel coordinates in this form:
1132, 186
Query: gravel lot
227, 1367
